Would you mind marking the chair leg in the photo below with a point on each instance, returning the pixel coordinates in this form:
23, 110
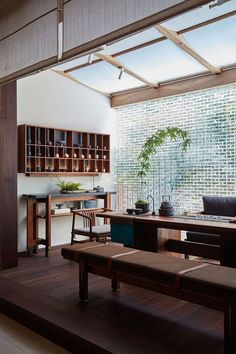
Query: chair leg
72, 230
72, 238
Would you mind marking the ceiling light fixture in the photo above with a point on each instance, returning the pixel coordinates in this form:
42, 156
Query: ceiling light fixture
121, 73
217, 3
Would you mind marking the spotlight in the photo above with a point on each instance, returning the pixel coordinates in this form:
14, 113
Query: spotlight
121, 73
90, 58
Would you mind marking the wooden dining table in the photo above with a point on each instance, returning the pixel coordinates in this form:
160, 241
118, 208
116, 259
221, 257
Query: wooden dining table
141, 231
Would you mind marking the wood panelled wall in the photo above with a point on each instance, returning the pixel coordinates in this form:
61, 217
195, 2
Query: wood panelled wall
8, 176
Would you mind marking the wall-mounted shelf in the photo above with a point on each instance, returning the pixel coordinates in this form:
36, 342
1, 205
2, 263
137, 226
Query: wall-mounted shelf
47, 151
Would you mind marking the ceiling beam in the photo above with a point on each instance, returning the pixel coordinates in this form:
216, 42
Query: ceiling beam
174, 88
157, 40
68, 76
112, 61
180, 42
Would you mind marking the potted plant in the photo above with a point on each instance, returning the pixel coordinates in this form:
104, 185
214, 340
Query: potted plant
70, 187
142, 204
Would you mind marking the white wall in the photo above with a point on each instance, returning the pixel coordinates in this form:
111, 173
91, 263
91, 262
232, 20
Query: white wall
48, 99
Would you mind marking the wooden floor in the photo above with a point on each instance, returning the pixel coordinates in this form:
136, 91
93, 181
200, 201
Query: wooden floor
42, 293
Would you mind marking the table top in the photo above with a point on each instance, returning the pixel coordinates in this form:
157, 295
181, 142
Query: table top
64, 195
176, 222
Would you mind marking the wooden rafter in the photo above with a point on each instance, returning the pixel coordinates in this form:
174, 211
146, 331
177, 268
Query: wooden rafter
177, 87
113, 61
178, 40
68, 76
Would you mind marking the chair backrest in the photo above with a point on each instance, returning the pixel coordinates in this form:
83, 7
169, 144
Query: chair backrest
224, 206
87, 215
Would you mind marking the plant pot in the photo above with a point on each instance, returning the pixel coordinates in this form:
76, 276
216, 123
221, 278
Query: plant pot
90, 204
144, 207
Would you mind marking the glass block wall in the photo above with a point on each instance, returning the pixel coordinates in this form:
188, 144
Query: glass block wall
207, 168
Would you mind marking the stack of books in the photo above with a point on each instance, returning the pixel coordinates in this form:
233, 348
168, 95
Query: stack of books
60, 211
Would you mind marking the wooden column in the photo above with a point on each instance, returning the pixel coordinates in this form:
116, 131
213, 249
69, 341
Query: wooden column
8, 176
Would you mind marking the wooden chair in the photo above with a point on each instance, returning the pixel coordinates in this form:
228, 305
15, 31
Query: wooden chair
90, 230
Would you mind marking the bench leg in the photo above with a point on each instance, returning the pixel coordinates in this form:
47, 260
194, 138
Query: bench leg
230, 327
83, 281
115, 284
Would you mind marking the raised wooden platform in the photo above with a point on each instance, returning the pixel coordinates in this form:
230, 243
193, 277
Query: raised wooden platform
42, 293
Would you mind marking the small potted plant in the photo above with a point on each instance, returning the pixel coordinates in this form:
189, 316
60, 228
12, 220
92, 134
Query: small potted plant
142, 204
70, 187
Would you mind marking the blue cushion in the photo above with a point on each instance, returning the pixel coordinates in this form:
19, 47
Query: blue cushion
224, 206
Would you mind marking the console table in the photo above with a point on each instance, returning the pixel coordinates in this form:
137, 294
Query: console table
141, 232
33, 201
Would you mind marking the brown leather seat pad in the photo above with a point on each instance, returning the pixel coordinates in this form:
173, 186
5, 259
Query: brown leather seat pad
97, 253
149, 265
152, 266
213, 280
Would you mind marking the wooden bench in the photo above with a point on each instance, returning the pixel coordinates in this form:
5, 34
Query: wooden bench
194, 281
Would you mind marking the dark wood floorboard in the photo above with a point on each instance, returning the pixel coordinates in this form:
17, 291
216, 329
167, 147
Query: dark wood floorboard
132, 321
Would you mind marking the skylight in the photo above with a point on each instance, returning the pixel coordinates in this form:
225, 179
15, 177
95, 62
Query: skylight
199, 42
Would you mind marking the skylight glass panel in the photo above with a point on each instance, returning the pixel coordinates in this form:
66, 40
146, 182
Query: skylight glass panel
215, 42
72, 63
104, 77
161, 62
199, 15
132, 41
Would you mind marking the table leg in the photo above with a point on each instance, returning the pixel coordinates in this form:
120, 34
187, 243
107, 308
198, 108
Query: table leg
145, 236
32, 226
228, 250
48, 223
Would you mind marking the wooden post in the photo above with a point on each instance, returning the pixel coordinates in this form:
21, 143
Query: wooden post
8, 176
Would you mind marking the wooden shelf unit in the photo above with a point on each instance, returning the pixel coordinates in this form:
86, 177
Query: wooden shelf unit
47, 151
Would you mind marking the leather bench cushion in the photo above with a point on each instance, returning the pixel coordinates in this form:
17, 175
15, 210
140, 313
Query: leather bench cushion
96, 253
212, 280
201, 237
152, 266
225, 206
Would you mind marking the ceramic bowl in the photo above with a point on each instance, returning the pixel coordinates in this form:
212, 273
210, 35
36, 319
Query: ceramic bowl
130, 210
138, 211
